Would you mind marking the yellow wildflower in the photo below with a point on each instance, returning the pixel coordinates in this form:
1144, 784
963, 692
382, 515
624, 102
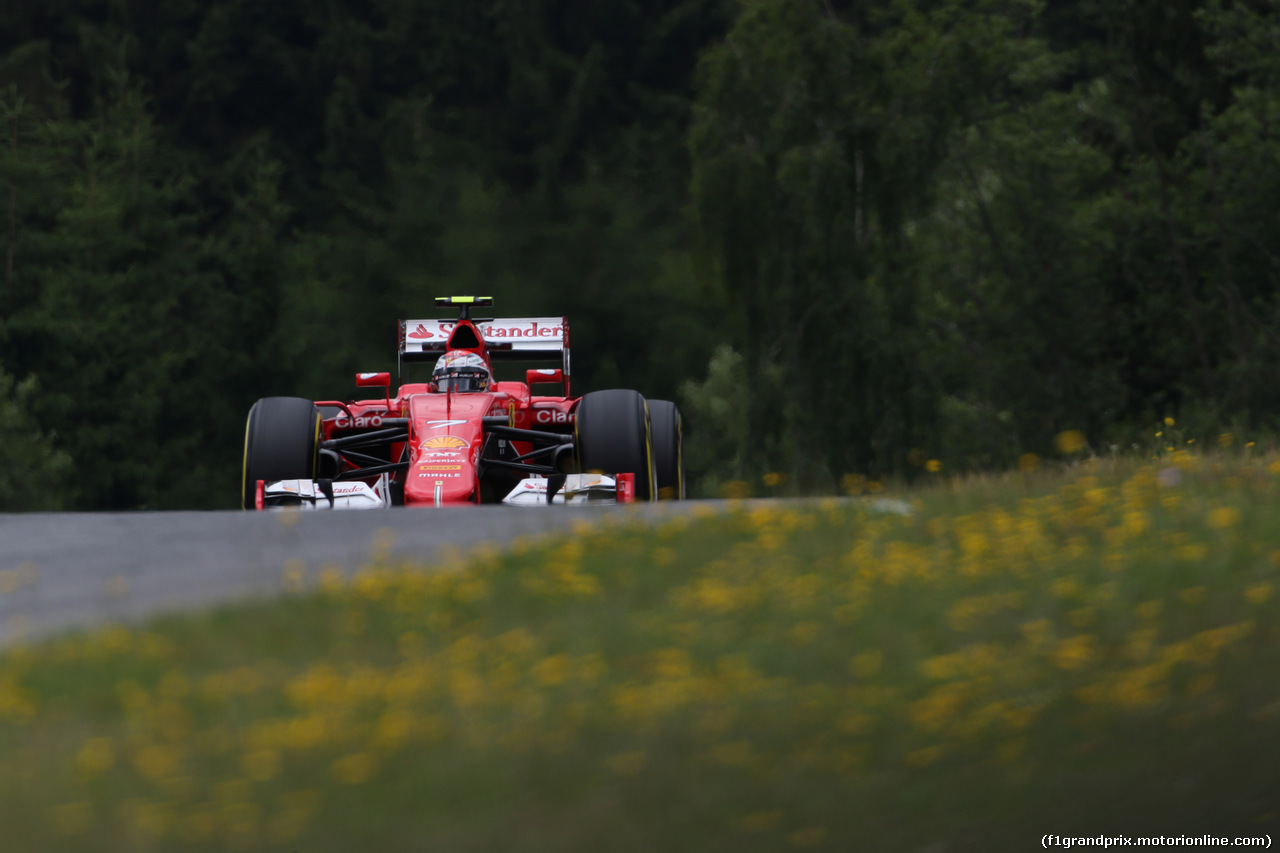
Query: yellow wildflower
939, 707
1037, 632
1148, 609
1224, 517
1075, 652
1258, 593
1141, 686
853, 484
1065, 587
924, 757
1136, 522
1070, 441
1191, 553
156, 761
551, 671
867, 664
95, 756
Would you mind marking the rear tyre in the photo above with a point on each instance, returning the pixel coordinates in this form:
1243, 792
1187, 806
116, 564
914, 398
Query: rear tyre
281, 442
611, 434
668, 449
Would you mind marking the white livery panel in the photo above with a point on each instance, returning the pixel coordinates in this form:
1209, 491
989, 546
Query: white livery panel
578, 489
309, 495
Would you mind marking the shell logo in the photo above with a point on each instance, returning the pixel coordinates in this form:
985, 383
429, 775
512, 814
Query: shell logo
445, 442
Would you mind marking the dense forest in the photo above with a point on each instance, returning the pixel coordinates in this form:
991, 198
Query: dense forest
847, 237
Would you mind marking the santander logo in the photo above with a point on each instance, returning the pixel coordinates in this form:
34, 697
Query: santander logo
532, 330
492, 331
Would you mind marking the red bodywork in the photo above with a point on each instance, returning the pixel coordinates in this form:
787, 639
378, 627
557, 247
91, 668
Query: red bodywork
447, 431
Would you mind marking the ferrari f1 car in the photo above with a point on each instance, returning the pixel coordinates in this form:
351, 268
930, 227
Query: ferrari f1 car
463, 437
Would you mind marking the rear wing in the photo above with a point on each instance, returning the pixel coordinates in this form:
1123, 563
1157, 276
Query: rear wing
521, 338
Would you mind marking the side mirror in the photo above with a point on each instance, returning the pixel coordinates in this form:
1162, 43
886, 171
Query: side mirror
376, 380
544, 376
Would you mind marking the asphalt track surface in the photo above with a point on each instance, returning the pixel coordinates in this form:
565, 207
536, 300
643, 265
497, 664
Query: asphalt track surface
66, 571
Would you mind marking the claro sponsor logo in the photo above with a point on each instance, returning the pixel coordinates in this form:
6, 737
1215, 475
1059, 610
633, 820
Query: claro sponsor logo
344, 422
553, 416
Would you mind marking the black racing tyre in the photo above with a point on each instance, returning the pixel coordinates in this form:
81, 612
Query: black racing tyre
281, 442
667, 438
611, 435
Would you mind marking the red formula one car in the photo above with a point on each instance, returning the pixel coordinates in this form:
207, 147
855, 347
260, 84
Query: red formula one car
463, 437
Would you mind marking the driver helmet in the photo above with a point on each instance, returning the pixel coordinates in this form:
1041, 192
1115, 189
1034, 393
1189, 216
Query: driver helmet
460, 371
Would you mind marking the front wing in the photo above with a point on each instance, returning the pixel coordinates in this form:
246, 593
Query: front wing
577, 489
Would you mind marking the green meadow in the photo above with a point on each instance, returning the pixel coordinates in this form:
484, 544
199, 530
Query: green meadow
1083, 651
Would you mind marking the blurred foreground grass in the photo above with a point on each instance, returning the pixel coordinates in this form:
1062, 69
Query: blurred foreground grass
1066, 653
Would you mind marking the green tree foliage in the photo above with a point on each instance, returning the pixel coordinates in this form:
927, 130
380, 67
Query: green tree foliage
1004, 219
34, 474
139, 315
850, 235
207, 204
816, 144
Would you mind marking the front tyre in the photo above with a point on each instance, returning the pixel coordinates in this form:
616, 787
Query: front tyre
611, 435
281, 442
667, 438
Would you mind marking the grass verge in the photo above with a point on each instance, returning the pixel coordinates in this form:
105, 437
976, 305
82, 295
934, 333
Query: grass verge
1080, 654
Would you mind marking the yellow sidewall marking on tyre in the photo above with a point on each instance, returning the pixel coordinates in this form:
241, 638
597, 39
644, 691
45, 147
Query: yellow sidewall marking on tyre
648, 455
679, 458
244, 469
